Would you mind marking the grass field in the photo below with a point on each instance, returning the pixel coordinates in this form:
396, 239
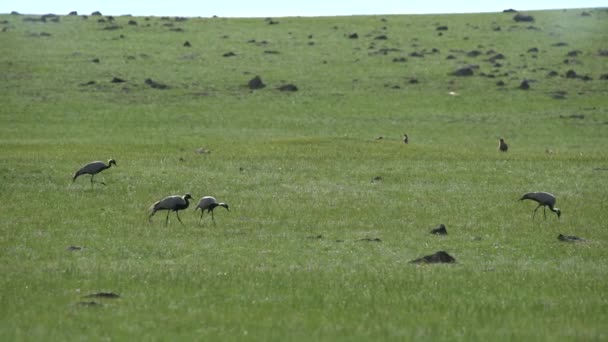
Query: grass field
307, 178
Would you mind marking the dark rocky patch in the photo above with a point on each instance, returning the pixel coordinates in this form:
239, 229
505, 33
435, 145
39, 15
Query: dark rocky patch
381, 37
416, 54
271, 52
288, 87
523, 18
439, 257
315, 237
442, 28
524, 85
496, 57
552, 73
112, 27
229, 54
533, 50
187, 44
571, 74
256, 83
177, 29
155, 84
74, 248
500, 83
573, 116
353, 35
574, 53
371, 240
569, 238
399, 59
604, 77
413, 81
464, 71
117, 80
132, 23
102, 295
450, 57
473, 53
559, 95
88, 83
439, 230
95, 60
558, 44
603, 53
376, 179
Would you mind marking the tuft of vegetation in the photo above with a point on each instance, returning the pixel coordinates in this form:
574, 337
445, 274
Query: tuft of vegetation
328, 206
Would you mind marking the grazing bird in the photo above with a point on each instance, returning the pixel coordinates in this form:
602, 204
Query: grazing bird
405, 139
209, 203
92, 169
171, 203
502, 145
544, 199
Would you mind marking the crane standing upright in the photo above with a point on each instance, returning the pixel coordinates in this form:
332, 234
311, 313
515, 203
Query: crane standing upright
92, 169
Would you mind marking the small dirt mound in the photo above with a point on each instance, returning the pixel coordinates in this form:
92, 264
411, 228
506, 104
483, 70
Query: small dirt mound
569, 238
439, 230
523, 18
288, 87
102, 295
256, 83
155, 84
439, 257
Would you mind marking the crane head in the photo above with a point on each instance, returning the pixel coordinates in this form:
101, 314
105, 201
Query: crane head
558, 212
112, 162
225, 205
187, 196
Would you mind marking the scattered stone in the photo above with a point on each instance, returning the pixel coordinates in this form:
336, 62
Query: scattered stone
187, 44
533, 50
413, 81
559, 95
604, 77
353, 36
256, 83
416, 54
569, 238
560, 44
474, 53
573, 116
500, 83
439, 257
450, 57
229, 54
376, 179
496, 57
371, 240
523, 18
399, 59
288, 87
74, 248
442, 28
95, 60
155, 84
552, 73
524, 85
102, 295
132, 22
381, 37
87, 83
271, 52
465, 71
571, 74
603, 53
112, 27
315, 237
574, 53
117, 80
439, 230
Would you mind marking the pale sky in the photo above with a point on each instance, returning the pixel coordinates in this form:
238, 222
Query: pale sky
281, 8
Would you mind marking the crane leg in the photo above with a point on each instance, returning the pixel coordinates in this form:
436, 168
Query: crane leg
201, 219
212, 218
180, 220
535, 211
94, 181
545, 211
167, 219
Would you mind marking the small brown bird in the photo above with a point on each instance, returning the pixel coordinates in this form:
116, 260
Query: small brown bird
405, 139
502, 145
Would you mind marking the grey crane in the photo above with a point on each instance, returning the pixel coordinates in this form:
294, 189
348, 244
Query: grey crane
405, 139
209, 203
171, 203
92, 169
502, 145
544, 199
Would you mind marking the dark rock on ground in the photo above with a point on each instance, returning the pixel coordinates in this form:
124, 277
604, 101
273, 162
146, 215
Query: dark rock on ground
523, 18
155, 84
288, 87
353, 35
102, 295
117, 80
465, 71
371, 240
439, 257
442, 28
533, 50
439, 230
256, 83
187, 44
229, 54
524, 85
73, 248
569, 238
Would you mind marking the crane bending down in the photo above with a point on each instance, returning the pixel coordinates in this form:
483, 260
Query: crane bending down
209, 203
92, 169
171, 203
544, 199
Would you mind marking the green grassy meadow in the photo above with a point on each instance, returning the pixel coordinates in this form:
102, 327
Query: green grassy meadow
306, 176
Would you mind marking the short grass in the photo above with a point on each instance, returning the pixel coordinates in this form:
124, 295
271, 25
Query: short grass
288, 261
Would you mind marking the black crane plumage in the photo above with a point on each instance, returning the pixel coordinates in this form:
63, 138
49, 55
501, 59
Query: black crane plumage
92, 169
171, 203
544, 199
